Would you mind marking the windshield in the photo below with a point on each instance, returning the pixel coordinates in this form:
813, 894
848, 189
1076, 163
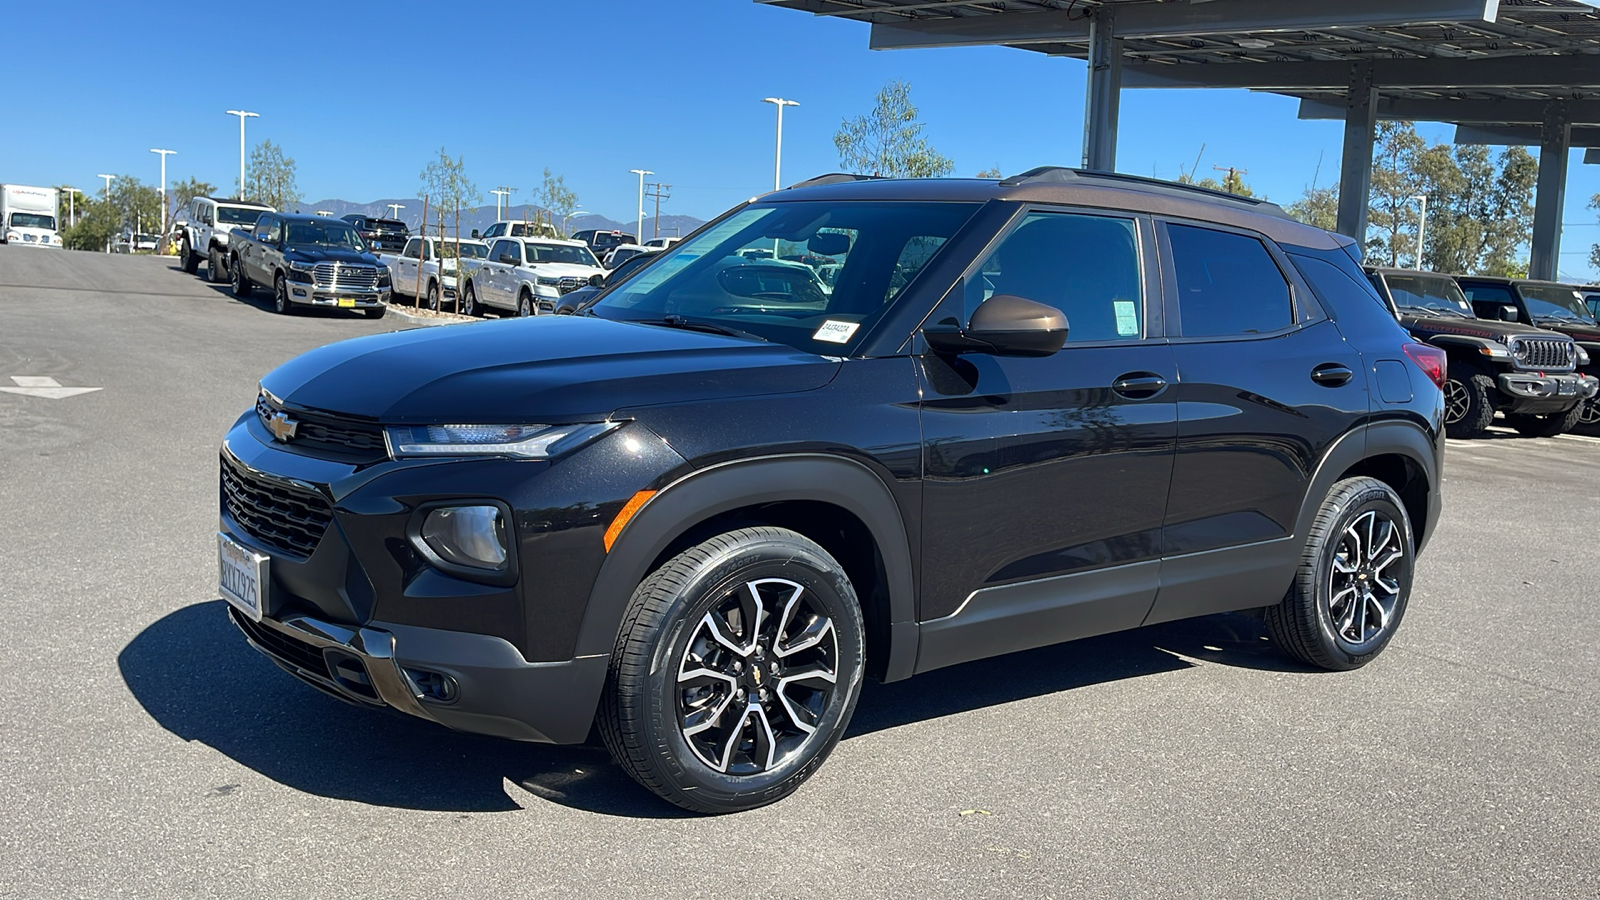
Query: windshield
474, 250
1547, 301
560, 253
1420, 293
233, 215
325, 234
33, 220
608, 240
732, 273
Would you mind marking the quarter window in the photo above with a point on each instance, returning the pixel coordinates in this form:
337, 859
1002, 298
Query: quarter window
1085, 266
1228, 284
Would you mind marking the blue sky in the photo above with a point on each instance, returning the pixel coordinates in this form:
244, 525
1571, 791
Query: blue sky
362, 94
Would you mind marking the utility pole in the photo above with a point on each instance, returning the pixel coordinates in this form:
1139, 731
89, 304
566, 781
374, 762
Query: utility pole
107, 198
242, 114
641, 173
72, 208
660, 192
164, 155
1231, 181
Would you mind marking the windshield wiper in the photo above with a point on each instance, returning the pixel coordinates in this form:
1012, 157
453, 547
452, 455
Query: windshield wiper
677, 321
1425, 310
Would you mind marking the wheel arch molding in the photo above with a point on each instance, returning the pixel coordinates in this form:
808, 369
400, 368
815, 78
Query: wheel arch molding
775, 490
1399, 453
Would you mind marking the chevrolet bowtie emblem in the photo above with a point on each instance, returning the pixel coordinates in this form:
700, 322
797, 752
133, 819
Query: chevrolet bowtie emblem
281, 426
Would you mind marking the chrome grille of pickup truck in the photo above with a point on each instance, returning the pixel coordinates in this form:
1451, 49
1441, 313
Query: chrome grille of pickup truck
283, 517
571, 283
1544, 352
340, 276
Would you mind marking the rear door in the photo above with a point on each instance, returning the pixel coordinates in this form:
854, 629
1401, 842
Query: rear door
1266, 384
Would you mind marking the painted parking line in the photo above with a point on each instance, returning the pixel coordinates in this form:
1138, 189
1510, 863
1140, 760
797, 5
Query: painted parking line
44, 386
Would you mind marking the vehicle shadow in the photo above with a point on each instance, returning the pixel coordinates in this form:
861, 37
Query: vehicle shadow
194, 674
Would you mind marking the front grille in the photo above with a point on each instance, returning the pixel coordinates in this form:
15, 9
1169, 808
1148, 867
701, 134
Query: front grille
571, 283
342, 277
291, 650
342, 438
281, 516
1544, 353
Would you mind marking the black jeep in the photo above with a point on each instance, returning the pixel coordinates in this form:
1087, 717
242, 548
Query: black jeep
1496, 363
1557, 307
701, 512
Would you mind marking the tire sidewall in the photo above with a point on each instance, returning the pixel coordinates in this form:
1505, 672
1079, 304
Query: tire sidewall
280, 295
677, 761
469, 300
524, 305
1372, 496
433, 296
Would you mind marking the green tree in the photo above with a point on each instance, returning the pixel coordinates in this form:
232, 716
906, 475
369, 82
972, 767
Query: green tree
1318, 207
557, 198
888, 141
181, 192
991, 172
272, 177
1391, 209
1594, 251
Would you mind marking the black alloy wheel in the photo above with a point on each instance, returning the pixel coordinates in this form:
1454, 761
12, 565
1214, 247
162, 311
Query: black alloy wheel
433, 296
191, 260
736, 671
280, 296
524, 304
1468, 404
469, 301
1354, 580
1548, 425
241, 285
1588, 417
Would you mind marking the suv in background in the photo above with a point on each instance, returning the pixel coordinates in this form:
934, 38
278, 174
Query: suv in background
1548, 305
519, 228
204, 225
1524, 372
602, 241
701, 513
380, 234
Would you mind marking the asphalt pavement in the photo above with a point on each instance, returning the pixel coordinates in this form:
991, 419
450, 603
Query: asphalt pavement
146, 751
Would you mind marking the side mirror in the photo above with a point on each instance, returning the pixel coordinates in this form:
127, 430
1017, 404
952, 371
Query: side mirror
1005, 325
508, 259
597, 280
1508, 313
474, 234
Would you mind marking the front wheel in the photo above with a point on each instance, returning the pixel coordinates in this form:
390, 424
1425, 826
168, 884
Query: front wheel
1550, 425
433, 296
375, 312
191, 260
1468, 404
1354, 580
525, 304
280, 297
469, 301
736, 671
1588, 418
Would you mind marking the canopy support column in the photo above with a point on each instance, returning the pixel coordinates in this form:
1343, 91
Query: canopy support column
1101, 107
1355, 165
1555, 140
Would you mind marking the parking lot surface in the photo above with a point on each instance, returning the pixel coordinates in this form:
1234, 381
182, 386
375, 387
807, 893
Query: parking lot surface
145, 750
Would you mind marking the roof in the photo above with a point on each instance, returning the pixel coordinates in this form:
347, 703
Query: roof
1425, 53
1072, 187
231, 201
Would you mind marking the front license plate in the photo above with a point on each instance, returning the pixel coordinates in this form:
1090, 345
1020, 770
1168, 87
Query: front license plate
242, 576
1566, 388
347, 301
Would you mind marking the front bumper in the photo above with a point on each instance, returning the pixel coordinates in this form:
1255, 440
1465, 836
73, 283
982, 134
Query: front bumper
308, 294
1536, 393
467, 682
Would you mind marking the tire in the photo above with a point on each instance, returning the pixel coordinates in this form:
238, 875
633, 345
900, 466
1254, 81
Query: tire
469, 301
375, 312
1547, 425
1325, 619
1468, 404
241, 285
280, 296
191, 261
524, 304
214, 266
1588, 418
685, 618
433, 296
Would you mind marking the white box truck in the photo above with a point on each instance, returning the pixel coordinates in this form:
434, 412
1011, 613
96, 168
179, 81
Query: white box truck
28, 216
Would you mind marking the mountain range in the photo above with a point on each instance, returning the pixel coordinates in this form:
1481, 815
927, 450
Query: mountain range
481, 217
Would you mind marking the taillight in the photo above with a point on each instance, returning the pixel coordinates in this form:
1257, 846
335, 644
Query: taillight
1431, 360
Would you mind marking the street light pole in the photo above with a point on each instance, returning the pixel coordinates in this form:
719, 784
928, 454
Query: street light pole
641, 173
107, 198
569, 216
72, 208
500, 194
1422, 226
242, 114
164, 155
777, 155
394, 210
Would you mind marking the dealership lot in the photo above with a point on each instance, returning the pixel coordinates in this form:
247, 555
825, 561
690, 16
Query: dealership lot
144, 748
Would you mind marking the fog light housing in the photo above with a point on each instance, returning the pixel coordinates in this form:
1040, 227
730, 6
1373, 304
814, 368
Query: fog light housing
473, 537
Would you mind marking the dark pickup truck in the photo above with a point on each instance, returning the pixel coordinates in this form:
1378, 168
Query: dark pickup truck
1495, 365
1551, 306
380, 234
308, 261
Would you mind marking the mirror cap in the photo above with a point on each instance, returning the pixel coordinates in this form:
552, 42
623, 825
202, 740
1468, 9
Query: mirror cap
1004, 325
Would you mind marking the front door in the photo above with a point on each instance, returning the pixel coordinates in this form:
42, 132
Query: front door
1046, 478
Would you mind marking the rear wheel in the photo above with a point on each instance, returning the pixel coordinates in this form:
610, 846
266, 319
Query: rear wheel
191, 260
1547, 425
1354, 580
241, 285
1468, 403
735, 672
469, 301
214, 267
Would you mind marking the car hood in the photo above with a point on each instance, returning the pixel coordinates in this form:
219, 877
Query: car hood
310, 253
565, 270
1583, 332
1487, 329
541, 370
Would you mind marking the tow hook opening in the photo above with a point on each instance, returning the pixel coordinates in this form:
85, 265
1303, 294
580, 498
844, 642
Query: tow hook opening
349, 672
435, 687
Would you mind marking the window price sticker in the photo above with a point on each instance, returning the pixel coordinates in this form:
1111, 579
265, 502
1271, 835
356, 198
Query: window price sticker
836, 332
1127, 317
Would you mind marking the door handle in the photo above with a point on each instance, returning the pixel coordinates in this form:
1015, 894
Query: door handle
1139, 385
1332, 375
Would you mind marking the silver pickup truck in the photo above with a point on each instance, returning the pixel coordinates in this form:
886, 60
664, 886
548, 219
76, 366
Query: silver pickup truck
308, 261
415, 269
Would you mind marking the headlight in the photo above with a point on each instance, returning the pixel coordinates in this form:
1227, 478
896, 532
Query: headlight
514, 441
471, 536
383, 275
301, 271
13, 236
549, 280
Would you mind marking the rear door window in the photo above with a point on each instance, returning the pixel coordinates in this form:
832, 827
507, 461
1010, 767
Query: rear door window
1228, 283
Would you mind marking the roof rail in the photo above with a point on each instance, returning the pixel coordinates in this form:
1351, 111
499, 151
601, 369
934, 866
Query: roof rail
1066, 175
831, 178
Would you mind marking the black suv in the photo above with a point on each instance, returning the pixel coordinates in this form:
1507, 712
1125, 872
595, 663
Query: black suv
1525, 372
380, 234
699, 514
1556, 307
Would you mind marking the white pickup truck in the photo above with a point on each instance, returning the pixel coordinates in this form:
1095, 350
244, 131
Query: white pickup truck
522, 273
415, 269
203, 227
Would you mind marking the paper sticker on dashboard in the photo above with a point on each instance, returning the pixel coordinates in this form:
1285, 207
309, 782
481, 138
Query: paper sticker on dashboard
836, 332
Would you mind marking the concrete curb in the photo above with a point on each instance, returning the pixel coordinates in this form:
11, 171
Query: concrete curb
411, 318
